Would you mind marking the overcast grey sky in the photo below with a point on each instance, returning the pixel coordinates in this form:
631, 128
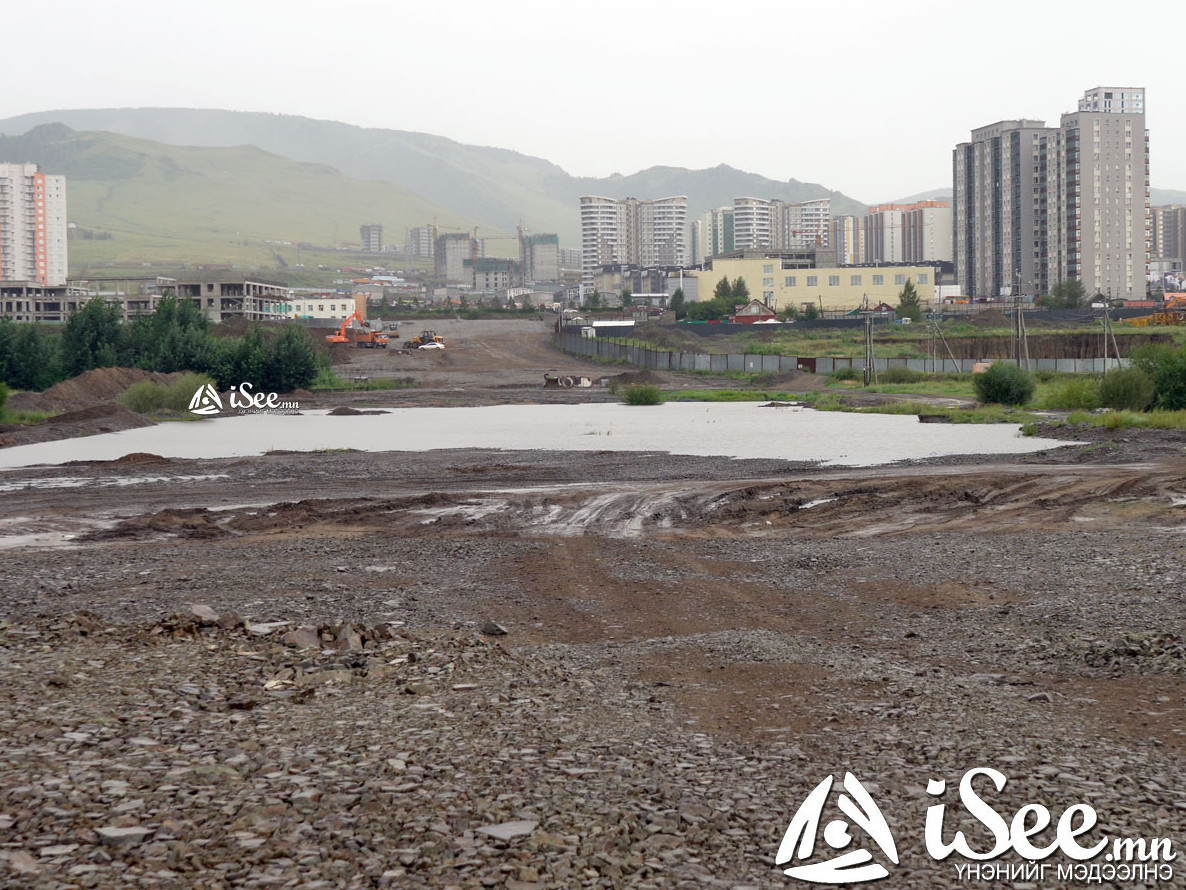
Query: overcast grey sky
868, 98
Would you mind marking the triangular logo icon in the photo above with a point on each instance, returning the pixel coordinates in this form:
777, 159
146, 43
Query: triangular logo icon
206, 401
846, 868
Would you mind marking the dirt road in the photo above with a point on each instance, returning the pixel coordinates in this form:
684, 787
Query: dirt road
691, 646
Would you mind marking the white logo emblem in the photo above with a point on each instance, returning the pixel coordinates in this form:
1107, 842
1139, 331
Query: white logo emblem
849, 868
206, 401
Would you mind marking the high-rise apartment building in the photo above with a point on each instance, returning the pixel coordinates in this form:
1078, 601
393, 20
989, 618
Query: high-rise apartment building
717, 233
539, 257
907, 233
421, 242
451, 252
780, 225
1168, 231
371, 235
32, 225
1037, 205
630, 231
846, 236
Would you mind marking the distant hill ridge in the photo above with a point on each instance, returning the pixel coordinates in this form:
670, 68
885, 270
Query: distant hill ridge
138, 201
495, 186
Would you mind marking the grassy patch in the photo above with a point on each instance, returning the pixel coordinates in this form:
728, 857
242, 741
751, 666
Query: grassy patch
642, 394
728, 395
147, 397
1123, 420
25, 418
980, 414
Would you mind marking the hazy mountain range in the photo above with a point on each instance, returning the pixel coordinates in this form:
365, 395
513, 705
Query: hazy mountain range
495, 187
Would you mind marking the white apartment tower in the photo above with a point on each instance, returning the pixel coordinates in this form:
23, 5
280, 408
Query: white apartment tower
1037, 205
633, 232
780, 225
32, 225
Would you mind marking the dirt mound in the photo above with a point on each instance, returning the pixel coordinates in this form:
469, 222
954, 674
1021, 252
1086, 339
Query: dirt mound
106, 417
139, 458
345, 411
792, 381
990, 319
99, 385
633, 378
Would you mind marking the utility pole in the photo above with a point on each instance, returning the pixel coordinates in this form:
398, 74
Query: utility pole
870, 370
1021, 347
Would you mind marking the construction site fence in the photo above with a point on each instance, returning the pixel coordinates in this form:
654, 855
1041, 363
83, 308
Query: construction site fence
604, 349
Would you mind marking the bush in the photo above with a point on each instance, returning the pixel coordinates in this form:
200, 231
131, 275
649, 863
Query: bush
147, 397
1167, 368
900, 375
1127, 389
846, 373
1004, 384
642, 394
1076, 394
3, 398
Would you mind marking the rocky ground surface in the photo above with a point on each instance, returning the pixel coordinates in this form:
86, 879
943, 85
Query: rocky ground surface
531, 670
488, 671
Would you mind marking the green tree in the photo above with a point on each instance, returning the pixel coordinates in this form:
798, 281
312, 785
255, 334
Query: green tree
93, 338
810, 312
626, 295
723, 290
1167, 367
594, 301
28, 356
1004, 384
1127, 389
173, 338
1066, 294
290, 360
677, 304
3, 398
740, 291
909, 303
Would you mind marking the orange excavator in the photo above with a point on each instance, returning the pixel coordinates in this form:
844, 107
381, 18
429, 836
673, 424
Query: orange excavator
360, 334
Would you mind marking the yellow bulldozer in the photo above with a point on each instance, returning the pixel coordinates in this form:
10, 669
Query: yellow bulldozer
426, 340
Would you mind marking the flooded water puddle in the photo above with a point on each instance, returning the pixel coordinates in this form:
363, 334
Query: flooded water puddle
740, 430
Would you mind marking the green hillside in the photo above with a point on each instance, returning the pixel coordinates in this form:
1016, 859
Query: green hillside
141, 201
498, 187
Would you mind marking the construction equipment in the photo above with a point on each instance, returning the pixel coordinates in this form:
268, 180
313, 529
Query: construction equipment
360, 334
426, 339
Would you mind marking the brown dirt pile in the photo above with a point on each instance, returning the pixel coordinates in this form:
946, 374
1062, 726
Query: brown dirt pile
90, 388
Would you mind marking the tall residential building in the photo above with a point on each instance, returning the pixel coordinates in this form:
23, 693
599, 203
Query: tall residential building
539, 257
451, 252
847, 237
1037, 205
717, 233
907, 233
1169, 233
421, 242
371, 235
630, 231
32, 225
751, 224
780, 225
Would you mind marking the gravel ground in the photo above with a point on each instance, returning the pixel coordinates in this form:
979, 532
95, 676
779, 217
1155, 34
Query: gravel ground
468, 668
690, 647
